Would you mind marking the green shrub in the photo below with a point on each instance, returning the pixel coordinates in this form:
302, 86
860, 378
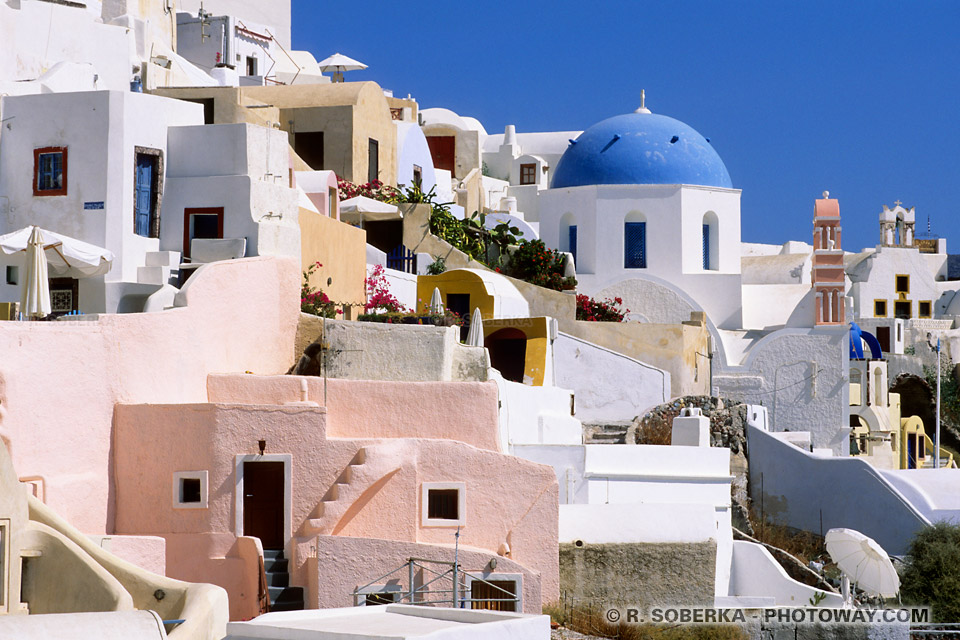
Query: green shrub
932, 574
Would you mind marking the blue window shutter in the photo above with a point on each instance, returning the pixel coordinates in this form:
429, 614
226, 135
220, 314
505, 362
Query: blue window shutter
635, 245
573, 242
144, 195
706, 246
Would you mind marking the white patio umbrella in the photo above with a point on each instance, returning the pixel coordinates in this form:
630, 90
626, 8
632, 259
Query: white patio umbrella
475, 335
66, 256
35, 294
338, 63
436, 303
362, 208
863, 561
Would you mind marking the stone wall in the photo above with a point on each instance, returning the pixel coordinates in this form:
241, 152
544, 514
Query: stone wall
642, 574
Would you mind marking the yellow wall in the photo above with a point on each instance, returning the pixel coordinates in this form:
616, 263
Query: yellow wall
456, 282
535, 361
342, 251
229, 105
910, 426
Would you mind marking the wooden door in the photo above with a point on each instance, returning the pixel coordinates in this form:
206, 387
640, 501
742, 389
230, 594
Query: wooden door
263, 502
443, 151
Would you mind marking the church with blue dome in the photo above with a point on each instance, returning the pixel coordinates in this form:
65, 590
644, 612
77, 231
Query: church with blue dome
640, 148
643, 200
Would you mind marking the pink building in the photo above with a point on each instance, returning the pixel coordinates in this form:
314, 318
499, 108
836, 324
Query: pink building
122, 426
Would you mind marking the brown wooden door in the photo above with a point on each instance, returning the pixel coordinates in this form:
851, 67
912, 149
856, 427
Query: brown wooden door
443, 152
263, 502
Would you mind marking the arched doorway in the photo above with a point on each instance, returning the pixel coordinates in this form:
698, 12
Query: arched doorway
508, 352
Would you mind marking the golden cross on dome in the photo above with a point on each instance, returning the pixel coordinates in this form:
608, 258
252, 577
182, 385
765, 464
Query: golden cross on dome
898, 203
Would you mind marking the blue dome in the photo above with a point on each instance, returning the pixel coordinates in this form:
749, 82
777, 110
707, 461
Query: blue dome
640, 148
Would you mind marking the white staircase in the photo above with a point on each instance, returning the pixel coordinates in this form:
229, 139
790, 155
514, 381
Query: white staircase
162, 267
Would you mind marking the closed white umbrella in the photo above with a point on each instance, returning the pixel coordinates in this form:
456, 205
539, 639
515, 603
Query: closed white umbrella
863, 561
35, 295
475, 335
436, 303
338, 63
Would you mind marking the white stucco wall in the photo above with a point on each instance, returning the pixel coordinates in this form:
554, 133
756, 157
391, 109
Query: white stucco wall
608, 386
874, 278
674, 215
34, 36
755, 572
412, 150
642, 522
535, 415
242, 168
100, 130
778, 305
274, 13
800, 375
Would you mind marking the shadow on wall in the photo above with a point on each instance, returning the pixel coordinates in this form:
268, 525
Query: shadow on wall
800, 490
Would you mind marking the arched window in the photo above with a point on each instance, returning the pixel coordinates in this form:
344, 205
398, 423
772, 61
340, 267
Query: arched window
711, 235
635, 241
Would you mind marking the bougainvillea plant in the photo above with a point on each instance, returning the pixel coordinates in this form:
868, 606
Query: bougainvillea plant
379, 298
313, 300
535, 263
609, 310
375, 189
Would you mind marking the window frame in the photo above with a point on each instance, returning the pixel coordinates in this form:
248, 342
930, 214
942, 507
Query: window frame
644, 263
491, 576
361, 595
426, 520
530, 167
875, 308
179, 477
37, 191
896, 283
929, 313
373, 154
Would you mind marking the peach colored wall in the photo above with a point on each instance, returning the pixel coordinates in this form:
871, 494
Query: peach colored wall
507, 499
62, 379
464, 411
342, 250
343, 564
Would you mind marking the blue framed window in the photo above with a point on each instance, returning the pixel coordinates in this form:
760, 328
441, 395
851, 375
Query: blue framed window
572, 241
50, 171
706, 246
635, 245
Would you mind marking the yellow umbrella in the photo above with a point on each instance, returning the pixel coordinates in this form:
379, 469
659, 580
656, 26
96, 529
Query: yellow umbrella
35, 295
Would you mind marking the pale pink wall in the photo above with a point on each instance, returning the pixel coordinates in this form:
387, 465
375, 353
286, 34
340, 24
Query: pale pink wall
62, 379
507, 499
344, 563
380, 409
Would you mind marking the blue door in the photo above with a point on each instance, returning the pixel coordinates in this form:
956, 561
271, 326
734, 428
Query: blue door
572, 240
144, 195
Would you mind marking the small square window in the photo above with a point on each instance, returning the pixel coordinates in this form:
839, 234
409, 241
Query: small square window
443, 504
903, 284
880, 308
13, 274
50, 171
903, 309
923, 309
190, 490
528, 174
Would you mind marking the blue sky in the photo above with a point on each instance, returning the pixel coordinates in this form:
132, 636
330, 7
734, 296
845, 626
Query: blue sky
854, 97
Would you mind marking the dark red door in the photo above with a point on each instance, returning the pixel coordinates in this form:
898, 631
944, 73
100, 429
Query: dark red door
443, 152
263, 502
